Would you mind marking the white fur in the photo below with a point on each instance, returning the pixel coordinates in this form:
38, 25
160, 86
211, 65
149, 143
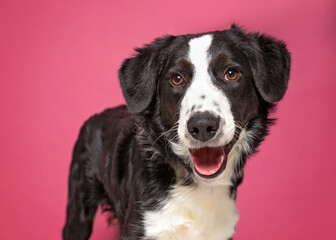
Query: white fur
199, 212
204, 211
215, 101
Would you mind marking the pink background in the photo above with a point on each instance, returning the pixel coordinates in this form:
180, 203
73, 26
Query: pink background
58, 66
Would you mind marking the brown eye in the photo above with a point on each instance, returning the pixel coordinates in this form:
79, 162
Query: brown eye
177, 80
231, 74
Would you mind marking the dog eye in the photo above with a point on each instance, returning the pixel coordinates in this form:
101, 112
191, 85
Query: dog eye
231, 74
177, 80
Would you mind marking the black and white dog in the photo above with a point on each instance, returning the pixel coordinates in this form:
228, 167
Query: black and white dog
168, 165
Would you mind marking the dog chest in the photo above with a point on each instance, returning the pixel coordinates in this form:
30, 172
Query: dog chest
193, 212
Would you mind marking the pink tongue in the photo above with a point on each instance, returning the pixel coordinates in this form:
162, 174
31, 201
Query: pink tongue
207, 161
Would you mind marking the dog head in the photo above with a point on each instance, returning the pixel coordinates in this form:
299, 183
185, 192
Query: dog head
212, 93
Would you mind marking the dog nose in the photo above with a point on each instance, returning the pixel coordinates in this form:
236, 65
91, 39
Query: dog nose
203, 126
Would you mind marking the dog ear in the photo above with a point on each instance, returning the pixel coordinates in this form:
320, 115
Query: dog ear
269, 60
271, 72
270, 67
138, 75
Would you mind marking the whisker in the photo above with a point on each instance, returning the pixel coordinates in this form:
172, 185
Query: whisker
175, 126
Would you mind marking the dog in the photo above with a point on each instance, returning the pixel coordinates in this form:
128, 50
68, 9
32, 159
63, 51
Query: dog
168, 164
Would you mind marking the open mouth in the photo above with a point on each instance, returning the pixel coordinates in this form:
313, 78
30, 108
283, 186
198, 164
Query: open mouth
209, 162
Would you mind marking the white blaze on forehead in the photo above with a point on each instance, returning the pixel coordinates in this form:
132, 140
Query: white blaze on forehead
198, 55
203, 95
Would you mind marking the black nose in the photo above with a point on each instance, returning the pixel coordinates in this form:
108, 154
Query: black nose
203, 126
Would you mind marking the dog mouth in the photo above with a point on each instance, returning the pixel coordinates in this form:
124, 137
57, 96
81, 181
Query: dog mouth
209, 162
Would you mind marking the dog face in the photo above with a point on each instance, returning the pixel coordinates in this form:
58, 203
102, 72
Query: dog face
209, 90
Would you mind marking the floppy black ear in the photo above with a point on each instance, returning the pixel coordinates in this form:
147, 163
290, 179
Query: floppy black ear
271, 70
270, 64
138, 74
269, 60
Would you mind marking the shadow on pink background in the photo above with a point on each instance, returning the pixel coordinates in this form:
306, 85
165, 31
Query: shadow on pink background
58, 66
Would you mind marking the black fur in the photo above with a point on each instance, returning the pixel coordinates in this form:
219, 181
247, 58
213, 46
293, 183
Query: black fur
122, 159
